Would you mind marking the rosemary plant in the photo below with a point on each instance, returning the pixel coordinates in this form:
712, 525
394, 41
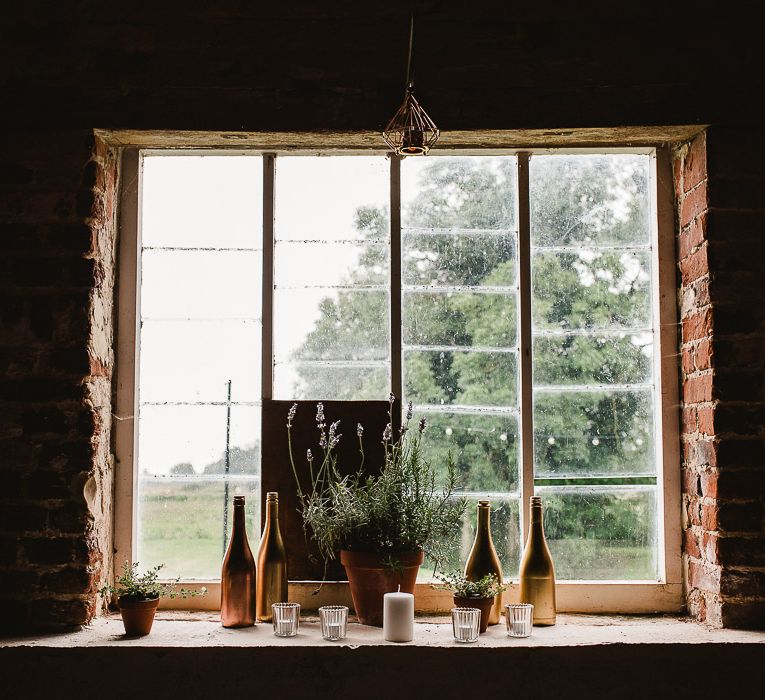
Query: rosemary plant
486, 587
147, 586
401, 510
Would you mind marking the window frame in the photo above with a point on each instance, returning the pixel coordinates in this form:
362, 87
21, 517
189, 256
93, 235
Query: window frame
600, 596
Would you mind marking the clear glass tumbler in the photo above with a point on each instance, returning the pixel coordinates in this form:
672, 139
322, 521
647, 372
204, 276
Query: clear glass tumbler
286, 618
465, 624
518, 619
334, 621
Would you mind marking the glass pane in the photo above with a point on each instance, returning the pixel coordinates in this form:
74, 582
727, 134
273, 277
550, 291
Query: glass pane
459, 192
505, 531
593, 359
336, 325
191, 440
345, 382
330, 199
465, 259
592, 433
460, 378
602, 533
298, 264
201, 284
589, 200
591, 289
194, 360
483, 446
467, 319
182, 523
202, 201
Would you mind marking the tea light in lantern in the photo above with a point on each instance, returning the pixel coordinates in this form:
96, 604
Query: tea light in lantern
398, 616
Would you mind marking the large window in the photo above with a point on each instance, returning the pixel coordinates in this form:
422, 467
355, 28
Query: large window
512, 298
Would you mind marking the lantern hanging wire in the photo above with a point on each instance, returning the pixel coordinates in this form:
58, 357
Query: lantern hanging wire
411, 131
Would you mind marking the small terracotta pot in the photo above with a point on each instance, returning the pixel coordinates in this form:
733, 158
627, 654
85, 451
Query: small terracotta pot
137, 615
370, 580
483, 604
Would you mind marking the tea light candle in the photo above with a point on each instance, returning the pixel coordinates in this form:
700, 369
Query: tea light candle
398, 616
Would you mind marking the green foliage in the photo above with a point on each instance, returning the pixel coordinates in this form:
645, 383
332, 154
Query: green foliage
147, 586
403, 509
486, 587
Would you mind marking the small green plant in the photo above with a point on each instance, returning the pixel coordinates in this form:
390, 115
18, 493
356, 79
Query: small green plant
147, 586
486, 587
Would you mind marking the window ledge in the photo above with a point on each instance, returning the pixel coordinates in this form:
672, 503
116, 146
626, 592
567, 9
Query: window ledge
199, 629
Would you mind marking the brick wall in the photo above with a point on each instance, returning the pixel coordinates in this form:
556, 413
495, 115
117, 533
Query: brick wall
314, 66
722, 302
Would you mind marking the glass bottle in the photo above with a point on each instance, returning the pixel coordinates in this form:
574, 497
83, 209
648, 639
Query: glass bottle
272, 562
237, 579
537, 572
483, 557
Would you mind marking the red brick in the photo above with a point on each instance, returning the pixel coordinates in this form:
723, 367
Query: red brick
697, 326
702, 354
703, 576
695, 163
693, 511
709, 547
698, 388
691, 237
691, 482
705, 417
708, 483
691, 544
693, 204
695, 266
709, 513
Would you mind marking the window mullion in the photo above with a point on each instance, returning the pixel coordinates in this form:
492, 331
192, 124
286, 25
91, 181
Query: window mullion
267, 304
396, 349
524, 366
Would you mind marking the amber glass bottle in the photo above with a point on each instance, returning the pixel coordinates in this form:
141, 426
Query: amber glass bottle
272, 562
483, 557
537, 572
237, 579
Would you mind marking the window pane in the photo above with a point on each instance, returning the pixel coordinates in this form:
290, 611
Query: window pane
483, 446
602, 533
592, 433
589, 199
460, 378
332, 276
593, 359
202, 201
443, 258
460, 319
591, 289
194, 360
200, 284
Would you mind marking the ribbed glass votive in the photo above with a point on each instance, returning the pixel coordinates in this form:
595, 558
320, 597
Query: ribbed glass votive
334, 621
465, 624
286, 619
518, 619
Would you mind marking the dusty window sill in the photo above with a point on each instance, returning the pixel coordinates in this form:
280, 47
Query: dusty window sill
199, 629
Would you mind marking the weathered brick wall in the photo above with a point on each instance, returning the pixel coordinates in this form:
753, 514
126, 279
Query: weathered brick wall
67, 69
722, 301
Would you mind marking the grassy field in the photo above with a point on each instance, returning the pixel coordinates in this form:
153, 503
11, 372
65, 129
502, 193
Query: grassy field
182, 526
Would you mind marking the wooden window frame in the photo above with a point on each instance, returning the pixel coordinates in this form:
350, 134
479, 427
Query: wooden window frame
664, 595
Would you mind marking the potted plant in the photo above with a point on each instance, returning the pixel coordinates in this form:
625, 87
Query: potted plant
381, 526
473, 594
138, 596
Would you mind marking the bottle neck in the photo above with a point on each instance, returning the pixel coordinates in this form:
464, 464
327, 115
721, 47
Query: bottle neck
536, 516
272, 511
484, 520
240, 522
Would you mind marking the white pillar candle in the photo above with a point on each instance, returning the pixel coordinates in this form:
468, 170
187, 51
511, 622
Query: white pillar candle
398, 616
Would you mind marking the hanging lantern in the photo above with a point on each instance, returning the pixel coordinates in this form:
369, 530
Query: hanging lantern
411, 132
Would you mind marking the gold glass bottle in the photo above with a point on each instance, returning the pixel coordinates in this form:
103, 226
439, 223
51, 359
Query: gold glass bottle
272, 562
237, 579
537, 571
483, 557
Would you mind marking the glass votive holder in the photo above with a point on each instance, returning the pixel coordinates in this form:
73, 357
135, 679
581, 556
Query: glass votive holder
465, 624
518, 619
286, 619
334, 621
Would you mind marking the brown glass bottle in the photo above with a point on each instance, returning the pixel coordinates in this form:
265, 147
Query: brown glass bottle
237, 579
483, 557
272, 562
537, 572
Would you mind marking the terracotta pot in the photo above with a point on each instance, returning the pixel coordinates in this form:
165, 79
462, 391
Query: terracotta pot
137, 615
370, 580
483, 604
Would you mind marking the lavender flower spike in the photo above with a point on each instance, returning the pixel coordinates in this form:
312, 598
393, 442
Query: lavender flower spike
359, 429
423, 424
409, 411
309, 456
291, 415
320, 421
391, 397
387, 433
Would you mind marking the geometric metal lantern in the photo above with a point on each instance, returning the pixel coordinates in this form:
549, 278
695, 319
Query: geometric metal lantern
411, 132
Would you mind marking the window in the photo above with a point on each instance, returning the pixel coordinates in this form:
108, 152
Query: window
514, 298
